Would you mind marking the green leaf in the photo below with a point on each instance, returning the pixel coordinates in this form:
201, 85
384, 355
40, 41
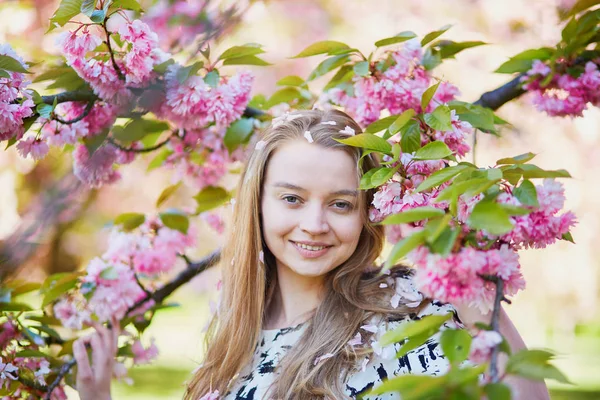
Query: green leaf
413, 387
413, 215
162, 67
520, 159
429, 324
98, 16
10, 64
531, 171
449, 48
93, 143
369, 142
130, 221
6, 307
4, 74
238, 133
44, 110
576, 8
431, 59
401, 37
497, 391
159, 160
211, 197
291, 80
212, 78
403, 247
66, 10
439, 119
184, 73
246, 60
110, 274
479, 117
444, 244
401, 121
377, 177
534, 364
137, 129
285, 95
241, 51
22, 287
433, 151
58, 284
167, 193
441, 176
428, 95
410, 140
526, 193
568, 237
381, 124
490, 216
31, 353
434, 35
327, 65
361, 68
523, 61
326, 46
456, 344
126, 5
175, 221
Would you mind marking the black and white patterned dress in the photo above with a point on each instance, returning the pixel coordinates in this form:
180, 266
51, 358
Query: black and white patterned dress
428, 359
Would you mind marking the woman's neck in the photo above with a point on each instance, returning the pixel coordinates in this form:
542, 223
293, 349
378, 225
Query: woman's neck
294, 300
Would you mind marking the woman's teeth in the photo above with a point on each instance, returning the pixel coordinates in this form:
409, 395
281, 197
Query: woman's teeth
313, 248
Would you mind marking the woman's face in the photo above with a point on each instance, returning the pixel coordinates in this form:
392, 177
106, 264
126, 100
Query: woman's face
310, 207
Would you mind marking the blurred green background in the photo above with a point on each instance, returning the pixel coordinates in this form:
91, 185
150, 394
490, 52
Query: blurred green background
559, 310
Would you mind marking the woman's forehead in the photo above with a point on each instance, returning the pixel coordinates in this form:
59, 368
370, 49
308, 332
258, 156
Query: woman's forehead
310, 165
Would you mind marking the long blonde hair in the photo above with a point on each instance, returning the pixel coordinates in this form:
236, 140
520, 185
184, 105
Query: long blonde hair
352, 292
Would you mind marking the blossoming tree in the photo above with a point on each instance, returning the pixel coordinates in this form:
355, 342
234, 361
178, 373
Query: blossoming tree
127, 94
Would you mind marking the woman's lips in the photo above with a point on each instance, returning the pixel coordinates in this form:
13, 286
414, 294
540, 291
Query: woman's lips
306, 253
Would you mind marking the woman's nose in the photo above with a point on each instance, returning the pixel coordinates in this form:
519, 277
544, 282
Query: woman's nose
314, 221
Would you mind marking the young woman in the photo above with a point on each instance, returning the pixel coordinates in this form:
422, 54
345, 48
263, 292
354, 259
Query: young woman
302, 301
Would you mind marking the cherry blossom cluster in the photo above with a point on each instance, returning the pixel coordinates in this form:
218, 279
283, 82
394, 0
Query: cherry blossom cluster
113, 281
15, 99
142, 53
564, 94
12, 365
194, 103
200, 158
397, 89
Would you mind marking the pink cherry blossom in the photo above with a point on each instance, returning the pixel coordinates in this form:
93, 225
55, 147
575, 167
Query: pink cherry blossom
482, 345
8, 333
37, 148
97, 170
13, 112
70, 315
214, 221
144, 355
8, 372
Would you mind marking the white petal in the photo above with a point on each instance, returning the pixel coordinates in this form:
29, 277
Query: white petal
308, 136
383, 285
261, 257
348, 131
323, 357
260, 145
328, 123
369, 328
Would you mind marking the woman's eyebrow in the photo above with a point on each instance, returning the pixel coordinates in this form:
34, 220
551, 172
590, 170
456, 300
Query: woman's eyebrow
343, 192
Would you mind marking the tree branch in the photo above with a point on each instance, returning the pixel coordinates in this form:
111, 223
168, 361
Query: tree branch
496, 98
75, 95
84, 114
193, 269
144, 150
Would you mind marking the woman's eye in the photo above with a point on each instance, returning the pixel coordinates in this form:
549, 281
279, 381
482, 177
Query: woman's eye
342, 205
291, 199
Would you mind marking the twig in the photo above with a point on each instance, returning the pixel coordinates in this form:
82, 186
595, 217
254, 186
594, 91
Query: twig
64, 370
84, 114
494, 99
112, 54
144, 150
75, 95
